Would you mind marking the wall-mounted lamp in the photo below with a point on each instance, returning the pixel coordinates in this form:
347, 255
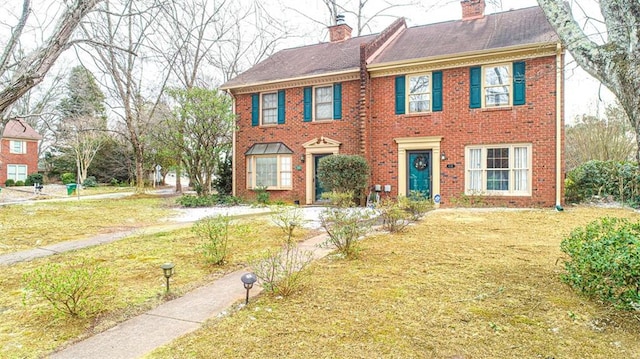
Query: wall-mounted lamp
443, 156
302, 158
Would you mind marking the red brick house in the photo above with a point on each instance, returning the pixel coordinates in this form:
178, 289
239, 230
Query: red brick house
18, 151
454, 109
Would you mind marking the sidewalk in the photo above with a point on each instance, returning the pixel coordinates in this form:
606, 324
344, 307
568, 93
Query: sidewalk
146, 332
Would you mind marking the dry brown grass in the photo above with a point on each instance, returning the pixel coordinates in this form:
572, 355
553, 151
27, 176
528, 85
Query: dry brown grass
461, 284
137, 283
25, 226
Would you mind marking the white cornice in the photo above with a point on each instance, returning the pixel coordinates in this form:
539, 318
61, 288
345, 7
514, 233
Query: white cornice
463, 60
314, 80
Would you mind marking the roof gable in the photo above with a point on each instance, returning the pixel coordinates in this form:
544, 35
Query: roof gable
19, 129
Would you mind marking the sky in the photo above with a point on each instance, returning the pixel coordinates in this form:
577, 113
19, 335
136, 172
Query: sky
583, 94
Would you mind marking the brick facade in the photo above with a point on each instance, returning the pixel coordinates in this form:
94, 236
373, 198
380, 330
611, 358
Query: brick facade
30, 159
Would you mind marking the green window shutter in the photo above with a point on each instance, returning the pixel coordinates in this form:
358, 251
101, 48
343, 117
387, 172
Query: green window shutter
337, 101
281, 107
255, 109
436, 91
519, 84
475, 87
400, 95
307, 104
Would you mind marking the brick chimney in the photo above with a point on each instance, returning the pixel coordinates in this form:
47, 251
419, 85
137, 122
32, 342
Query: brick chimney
340, 31
472, 9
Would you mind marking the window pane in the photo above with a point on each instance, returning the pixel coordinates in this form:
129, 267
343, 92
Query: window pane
419, 103
419, 84
495, 76
324, 111
250, 172
497, 180
266, 171
324, 94
497, 96
269, 116
521, 171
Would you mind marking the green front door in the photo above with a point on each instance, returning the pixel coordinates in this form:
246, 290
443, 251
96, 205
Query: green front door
419, 176
319, 189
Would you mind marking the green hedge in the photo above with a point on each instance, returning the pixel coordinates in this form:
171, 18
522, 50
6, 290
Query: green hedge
620, 180
605, 261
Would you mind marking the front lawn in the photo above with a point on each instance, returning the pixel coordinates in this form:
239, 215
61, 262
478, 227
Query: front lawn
460, 284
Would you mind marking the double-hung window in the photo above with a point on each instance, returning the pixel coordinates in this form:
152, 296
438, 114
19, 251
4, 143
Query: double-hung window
269, 108
17, 172
498, 169
497, 85
419, 91
269, 166
323, 103
19, 147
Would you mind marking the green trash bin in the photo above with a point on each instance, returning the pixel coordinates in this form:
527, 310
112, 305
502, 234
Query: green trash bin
71, 187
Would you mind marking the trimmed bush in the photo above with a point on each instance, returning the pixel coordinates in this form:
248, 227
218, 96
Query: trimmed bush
68, 178
33, 179
344, 173
9, 183
19, 183
605, 261
90, 182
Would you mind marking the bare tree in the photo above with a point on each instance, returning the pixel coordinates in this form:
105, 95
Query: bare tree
129, 70
80, 136
19, 71
613, 57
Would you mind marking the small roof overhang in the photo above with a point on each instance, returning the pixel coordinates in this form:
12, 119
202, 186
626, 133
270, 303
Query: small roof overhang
271, 148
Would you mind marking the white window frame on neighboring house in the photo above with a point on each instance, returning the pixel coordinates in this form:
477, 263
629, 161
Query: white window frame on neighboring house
269, 108
500, 169
414, 93
491, 84
17, 172
325, 104
17, 147
271, 171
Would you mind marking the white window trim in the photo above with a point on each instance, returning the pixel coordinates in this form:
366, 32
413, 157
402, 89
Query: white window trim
314, 103
251, 172
483, 165
483, 95
408, 92
262, 108
26, 172
23, 147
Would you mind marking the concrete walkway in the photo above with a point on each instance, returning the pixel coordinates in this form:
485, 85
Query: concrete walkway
144, 333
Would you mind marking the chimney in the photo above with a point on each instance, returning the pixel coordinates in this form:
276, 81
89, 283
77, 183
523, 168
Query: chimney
340, 31
472, 9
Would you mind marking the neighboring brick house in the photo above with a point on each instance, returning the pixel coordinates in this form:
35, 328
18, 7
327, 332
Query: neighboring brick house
18, 151
453, 109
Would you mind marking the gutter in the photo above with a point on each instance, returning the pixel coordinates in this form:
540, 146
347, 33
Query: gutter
559, 96
233, 145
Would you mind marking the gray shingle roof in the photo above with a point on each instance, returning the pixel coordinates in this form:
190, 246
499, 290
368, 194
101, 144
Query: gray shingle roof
20, 130
507, 29
526, 26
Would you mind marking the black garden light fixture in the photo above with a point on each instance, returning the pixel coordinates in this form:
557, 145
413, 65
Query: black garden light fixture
167, 268
248, 279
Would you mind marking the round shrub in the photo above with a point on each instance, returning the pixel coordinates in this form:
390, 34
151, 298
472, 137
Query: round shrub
605, 261
90, 182
68, 178
19, 183
33, 179
9, 183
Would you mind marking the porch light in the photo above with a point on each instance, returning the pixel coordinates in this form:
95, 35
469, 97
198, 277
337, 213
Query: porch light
248, 279
443, 156
167, 268
302, 158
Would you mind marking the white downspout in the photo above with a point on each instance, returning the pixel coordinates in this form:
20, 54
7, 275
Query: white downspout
233, 146
559, 96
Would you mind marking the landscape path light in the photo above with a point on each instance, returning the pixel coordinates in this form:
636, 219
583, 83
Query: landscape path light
167, 268
248, 279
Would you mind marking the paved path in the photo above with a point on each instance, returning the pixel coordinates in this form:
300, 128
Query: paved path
144, 333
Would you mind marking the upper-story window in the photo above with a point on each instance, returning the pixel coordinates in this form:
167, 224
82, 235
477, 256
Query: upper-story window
19, 147
419, 90
418, 93
497, 85
323, 103
269, 109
